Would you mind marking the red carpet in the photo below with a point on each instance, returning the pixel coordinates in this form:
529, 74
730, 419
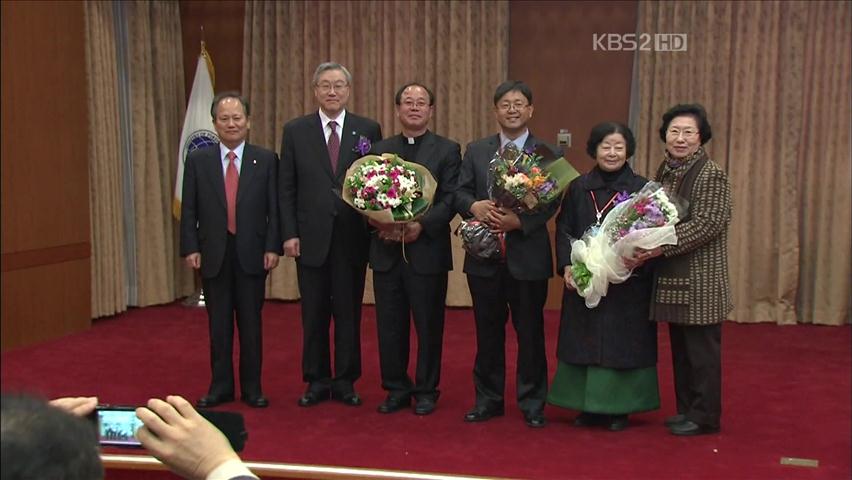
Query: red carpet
786, 394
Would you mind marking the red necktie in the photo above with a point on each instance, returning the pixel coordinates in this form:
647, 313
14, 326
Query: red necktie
232, 181
333, 146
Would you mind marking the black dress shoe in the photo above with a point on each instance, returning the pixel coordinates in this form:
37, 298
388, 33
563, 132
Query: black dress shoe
675, 419
424, 406
208, 401
617, 423
588, 419
689, 428
256, 402
481, 414
311, 398
394, 404
349, 398
535, 419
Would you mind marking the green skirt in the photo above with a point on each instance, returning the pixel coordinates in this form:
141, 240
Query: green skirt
610, 391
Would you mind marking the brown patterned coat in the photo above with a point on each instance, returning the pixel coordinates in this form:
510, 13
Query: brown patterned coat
703, 236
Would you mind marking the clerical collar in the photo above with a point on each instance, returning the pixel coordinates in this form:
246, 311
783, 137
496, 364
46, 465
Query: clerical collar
414, 140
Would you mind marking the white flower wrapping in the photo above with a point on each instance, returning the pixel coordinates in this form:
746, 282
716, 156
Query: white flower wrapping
646, 220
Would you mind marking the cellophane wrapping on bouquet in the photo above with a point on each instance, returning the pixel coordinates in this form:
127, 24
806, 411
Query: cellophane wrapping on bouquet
389, 189
522, 181
645, 220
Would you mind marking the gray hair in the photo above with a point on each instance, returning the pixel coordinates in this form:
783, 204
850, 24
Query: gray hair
326, 66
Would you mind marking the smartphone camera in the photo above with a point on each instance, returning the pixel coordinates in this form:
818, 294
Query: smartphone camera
117, 425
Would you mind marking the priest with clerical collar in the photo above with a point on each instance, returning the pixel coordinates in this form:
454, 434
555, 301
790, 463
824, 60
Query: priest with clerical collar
414, 284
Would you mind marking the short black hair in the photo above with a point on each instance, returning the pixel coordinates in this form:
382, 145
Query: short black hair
601, 130
513, 86
42, 441
695, 110
398, 98
222, 96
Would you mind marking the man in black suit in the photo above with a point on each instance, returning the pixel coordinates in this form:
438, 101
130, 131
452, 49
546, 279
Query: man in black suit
229, 230
519, 283
416, 284
328, 239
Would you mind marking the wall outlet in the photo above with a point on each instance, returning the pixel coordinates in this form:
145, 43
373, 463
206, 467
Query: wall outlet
563, 138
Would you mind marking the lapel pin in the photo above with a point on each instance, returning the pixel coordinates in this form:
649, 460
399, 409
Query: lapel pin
254, 162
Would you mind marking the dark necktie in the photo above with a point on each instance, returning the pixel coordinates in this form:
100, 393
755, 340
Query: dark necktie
232, 181
333, 145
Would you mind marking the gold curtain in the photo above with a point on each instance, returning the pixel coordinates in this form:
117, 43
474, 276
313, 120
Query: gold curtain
109, 289
157, 105
458, 49
771, 75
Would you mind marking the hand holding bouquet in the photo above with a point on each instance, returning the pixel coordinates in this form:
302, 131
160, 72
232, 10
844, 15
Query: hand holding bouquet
519, 181
644, 220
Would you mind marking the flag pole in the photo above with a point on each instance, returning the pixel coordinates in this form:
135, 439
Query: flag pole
197, 299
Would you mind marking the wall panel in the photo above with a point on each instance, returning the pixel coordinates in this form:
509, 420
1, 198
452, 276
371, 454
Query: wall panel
574, 86
45, 188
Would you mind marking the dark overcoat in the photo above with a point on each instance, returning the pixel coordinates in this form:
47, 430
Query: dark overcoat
616, 333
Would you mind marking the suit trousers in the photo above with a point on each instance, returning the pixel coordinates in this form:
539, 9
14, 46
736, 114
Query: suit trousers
400, 295
697, 361
233, 291
334, 289
493, 298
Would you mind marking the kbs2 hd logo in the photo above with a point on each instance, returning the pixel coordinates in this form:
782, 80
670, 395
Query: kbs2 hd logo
643, 42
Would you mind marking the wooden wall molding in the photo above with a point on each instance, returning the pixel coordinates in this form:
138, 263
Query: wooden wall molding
45, 256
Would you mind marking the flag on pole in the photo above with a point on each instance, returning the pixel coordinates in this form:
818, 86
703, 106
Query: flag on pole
198, 129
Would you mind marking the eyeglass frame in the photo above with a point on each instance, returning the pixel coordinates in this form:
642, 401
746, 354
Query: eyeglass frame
328, 87
686, 133
507, 107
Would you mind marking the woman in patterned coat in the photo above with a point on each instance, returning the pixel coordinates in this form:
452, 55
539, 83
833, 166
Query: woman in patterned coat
691, 290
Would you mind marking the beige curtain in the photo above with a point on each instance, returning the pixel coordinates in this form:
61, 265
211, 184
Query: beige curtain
458, 49
109, 278
157, 105
775, 79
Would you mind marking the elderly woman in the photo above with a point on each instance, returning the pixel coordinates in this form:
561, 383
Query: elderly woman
607, 355
691, 290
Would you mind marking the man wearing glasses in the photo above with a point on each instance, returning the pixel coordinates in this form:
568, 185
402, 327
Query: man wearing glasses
519, 282
415, 284
327, 238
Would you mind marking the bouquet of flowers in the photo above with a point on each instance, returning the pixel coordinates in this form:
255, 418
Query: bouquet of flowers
388, 189
525, 181
645, 220
522, 181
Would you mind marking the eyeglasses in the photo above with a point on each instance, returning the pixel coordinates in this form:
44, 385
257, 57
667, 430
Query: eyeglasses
418, 104
326, 87
687, 133
506, 106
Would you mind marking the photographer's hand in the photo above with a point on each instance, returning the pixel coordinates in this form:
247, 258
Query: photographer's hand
177, 435
79, 406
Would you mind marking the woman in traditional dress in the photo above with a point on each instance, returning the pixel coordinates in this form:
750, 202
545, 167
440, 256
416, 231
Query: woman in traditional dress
608, 354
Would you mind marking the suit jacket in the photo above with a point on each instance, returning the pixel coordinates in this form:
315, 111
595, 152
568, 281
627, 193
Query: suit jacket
204, 213
431, 252
310, 192
528, 255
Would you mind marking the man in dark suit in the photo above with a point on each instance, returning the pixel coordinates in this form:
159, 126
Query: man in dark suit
415, 284
229, 230
519, 283
328, 239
